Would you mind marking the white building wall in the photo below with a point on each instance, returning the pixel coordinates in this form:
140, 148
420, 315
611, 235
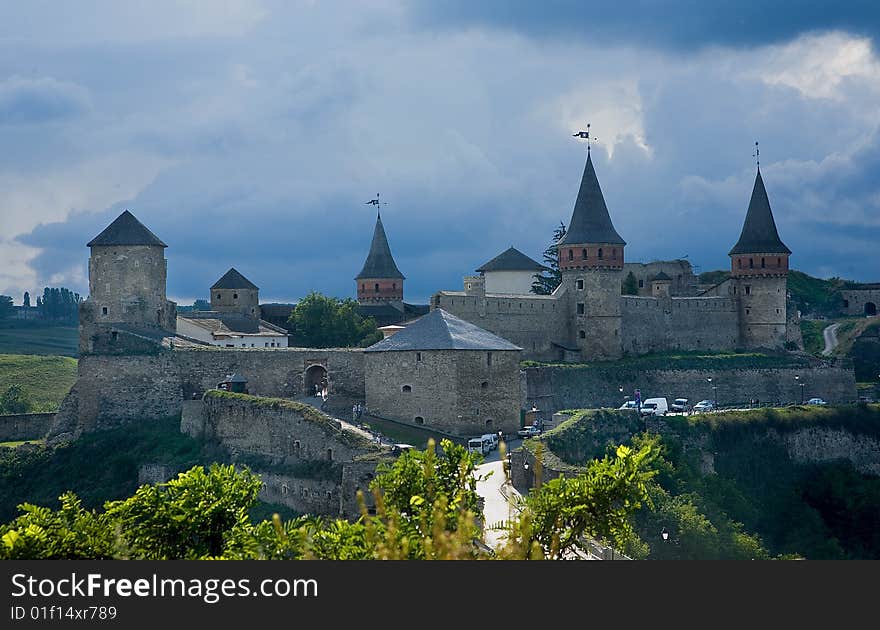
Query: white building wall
510, 282
188, 329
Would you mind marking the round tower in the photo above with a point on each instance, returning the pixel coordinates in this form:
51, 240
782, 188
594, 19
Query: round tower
759, 269
591, 262
233, 293
380, 281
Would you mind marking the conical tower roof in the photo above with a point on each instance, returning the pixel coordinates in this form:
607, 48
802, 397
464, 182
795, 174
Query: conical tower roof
590, 221
759, 235
126, 230
232, 279
380, 263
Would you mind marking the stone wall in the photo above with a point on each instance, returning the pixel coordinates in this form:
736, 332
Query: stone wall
308, 461
114, 390
532, 322
857, 300
684, 282
560, 387
24, 426
688, 323
820, 444
457, 391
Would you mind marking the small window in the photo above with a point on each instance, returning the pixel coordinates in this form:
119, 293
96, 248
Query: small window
846, 304
488, 358
739, 262
235, 296
330, 454
779, 262
103, 310
763, 264
641, 284
489, 422
394, 286
584, 253
748, 311
582, 334
419, 420
571, 254
418, 356
751, 263
580, 308
376, 288
114, 335
484, 385
296, 446
406, 389
363, 287
580, 285
748, 290
218, 297
600, 253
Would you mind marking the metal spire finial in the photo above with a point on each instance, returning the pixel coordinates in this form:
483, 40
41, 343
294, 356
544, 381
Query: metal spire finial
377, 203
757, 155
586, 135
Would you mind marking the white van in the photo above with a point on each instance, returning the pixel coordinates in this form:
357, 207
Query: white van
654, 407
479, 445
493, 440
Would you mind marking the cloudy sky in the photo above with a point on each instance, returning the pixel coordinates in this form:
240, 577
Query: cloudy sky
249, 133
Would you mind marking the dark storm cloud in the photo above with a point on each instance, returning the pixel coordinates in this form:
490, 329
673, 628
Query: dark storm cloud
672, 24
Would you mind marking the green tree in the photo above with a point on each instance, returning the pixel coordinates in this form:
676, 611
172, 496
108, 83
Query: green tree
318, 321
598, 503
15, 400
6, 307
630, 286
198, 515
547, 281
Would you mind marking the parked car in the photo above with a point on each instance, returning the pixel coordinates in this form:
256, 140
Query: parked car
679, 404
479, 445
816, 401
493, 440
629, 404
704, 405
529, 431
654, 407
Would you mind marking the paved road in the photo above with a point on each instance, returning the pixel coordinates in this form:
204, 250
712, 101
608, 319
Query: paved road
830, 334
497, 510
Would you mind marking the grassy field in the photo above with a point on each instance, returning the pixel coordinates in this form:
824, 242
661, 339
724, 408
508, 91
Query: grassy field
32, 337
46, 380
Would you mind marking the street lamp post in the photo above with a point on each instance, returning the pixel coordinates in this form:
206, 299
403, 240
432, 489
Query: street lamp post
714, 392
801, 383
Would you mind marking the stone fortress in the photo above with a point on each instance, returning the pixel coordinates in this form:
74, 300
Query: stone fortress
587, 317
456, 369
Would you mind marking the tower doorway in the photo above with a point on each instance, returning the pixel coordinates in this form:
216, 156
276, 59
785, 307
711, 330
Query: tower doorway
870, 308
315, 379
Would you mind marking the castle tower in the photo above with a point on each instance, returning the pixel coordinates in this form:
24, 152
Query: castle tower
233, 293
660, 285
591, 262
380, 281
127, 274
759, 268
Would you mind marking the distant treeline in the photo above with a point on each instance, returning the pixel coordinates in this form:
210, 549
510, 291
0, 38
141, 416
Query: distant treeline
56, 304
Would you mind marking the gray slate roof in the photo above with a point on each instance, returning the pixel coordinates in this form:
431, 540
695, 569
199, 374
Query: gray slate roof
662, 276
512, 259
590, 221
126, 230
232, 279
380, 263
439, 330
759, 235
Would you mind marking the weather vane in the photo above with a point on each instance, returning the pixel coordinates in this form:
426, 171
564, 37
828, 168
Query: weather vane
586, 135
757, 155
377, 203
